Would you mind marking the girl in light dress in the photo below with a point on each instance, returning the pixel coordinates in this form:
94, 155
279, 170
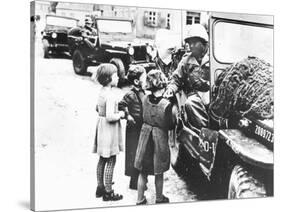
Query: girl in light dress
108, 137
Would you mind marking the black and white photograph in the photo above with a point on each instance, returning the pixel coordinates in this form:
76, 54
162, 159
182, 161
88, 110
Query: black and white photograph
138, 105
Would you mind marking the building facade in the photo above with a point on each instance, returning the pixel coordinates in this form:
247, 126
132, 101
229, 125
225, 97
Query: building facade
146, 21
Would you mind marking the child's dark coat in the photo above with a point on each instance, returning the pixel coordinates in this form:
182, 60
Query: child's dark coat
153, 154
133, 102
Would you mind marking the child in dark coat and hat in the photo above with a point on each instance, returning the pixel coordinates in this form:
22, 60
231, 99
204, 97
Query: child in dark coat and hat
153, 154
132, 105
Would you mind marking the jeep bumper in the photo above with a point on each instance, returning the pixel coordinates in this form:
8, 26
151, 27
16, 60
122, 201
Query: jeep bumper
58, 47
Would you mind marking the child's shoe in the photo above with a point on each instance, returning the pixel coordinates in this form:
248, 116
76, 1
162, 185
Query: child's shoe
143, 202
100, 191
163, 200
111, 196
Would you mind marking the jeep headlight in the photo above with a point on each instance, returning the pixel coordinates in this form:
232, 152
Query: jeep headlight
131, 51
54, 35
149, 50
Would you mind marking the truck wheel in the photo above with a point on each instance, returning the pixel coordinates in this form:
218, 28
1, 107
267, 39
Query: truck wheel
79, 62
242, 184
121, 71
45, 48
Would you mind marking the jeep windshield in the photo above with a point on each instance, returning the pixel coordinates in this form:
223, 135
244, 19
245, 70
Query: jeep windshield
114, 26
61, 21
235, 41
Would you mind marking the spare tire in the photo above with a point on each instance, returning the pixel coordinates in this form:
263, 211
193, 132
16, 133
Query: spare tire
79, 63
121, 71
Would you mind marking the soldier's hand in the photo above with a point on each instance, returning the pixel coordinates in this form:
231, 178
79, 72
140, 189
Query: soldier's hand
168, 93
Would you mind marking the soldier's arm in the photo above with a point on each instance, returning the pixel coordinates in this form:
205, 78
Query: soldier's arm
178, 76
200, 84
200, 78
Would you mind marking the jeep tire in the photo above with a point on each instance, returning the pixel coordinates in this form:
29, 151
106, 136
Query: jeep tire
79, 63
242, 184
45, 48
121, 71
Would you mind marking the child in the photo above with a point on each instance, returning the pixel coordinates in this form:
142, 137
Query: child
153, 154
108, 139
132, 102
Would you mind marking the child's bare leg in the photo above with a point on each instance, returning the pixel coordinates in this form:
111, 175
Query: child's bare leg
159, 186
141, 187
160, 198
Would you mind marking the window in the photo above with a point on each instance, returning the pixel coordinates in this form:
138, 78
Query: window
197, 20
114, 26
234, 41
189, 20
151, 18
60, 21
168, 21
192, 18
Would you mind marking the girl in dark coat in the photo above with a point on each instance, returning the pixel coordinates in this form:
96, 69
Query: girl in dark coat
153, 154
132, 105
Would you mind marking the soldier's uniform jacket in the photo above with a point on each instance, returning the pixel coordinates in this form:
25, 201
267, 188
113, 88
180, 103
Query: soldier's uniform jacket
191, 76
90, 31
153, 155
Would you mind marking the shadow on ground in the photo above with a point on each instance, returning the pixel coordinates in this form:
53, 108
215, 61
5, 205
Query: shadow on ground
24, 204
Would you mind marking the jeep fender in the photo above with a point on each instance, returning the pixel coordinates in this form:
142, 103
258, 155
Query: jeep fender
201, 147
248, 149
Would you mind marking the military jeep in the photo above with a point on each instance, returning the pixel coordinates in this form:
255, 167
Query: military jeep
113, 43
235, 161
54, 36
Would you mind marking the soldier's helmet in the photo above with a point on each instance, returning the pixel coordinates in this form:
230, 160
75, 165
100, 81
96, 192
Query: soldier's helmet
197, 30
155, 80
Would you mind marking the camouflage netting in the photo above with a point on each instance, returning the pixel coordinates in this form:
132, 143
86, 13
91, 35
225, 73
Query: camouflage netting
245, 88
